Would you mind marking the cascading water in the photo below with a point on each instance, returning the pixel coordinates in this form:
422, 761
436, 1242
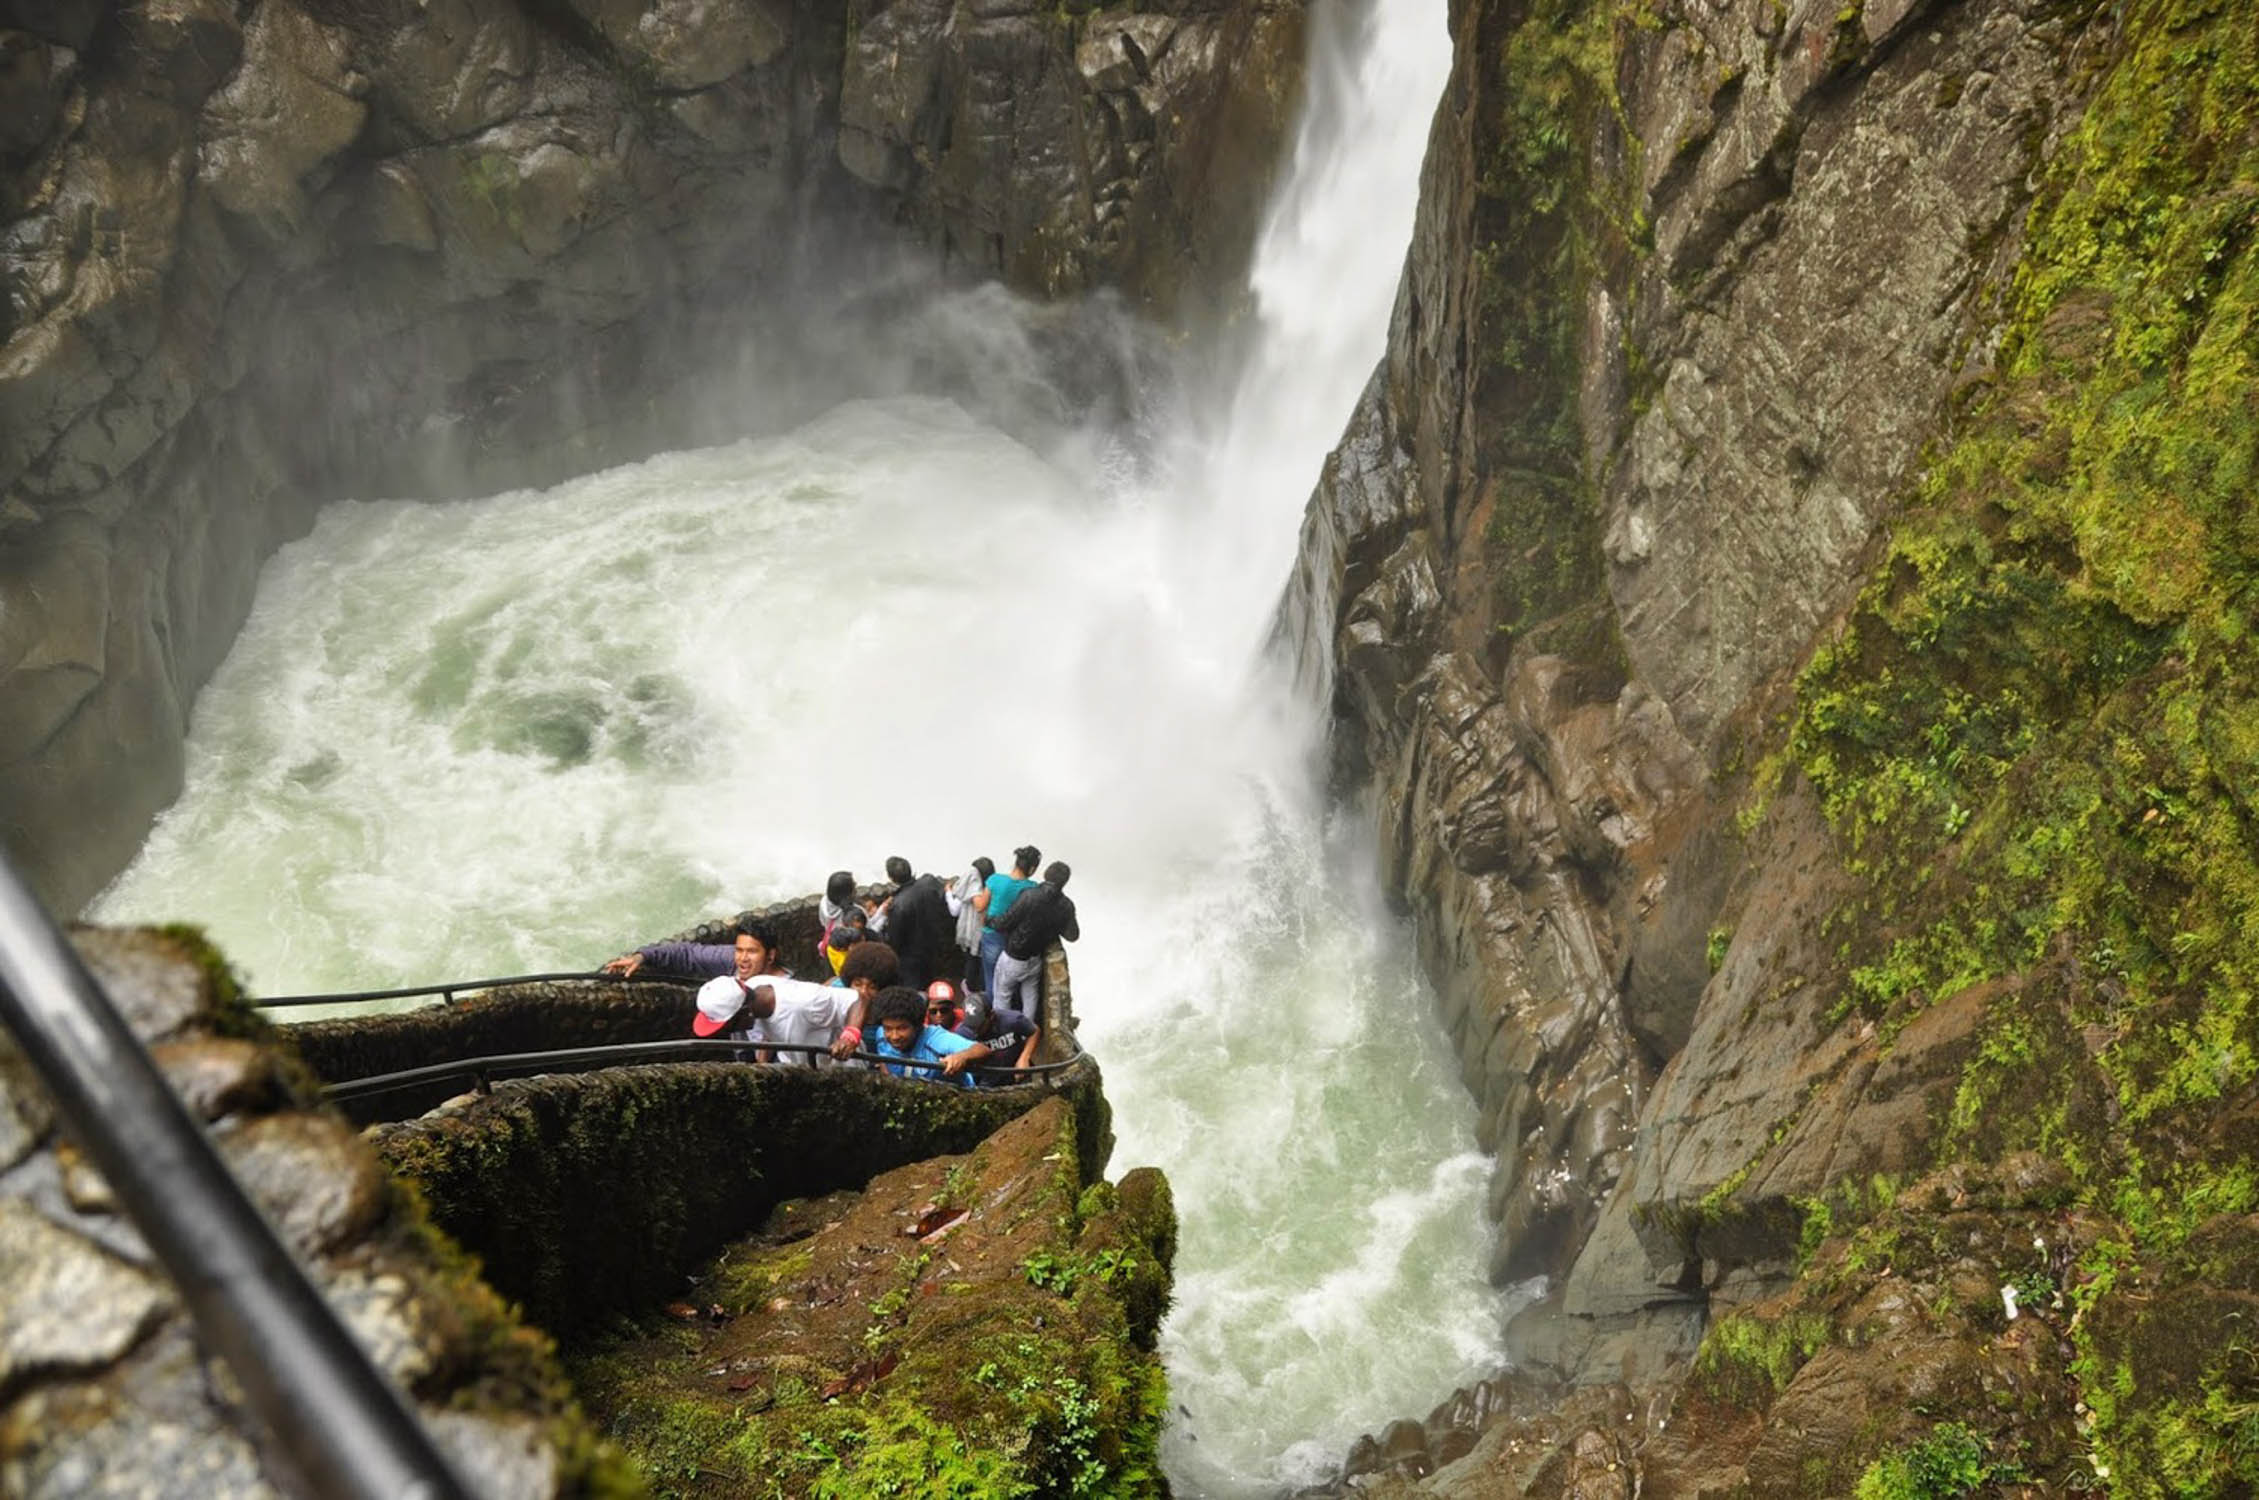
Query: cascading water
519, 732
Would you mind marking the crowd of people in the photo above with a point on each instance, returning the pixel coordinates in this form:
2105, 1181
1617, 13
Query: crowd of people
932, 980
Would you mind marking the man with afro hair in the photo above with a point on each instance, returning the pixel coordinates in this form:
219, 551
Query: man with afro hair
904, 1034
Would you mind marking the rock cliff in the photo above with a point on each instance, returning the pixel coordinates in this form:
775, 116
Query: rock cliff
256, 256
1776, 601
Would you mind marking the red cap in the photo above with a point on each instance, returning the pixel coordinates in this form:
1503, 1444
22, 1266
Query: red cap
717, 1007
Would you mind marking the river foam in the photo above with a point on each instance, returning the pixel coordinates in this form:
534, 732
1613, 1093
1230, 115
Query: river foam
522, 732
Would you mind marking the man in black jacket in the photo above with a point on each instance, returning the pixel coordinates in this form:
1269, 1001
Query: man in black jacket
1040, 917
917, 924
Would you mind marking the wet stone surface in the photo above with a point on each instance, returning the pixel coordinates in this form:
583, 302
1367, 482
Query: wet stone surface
312, 1175
70, 1306
104, 1389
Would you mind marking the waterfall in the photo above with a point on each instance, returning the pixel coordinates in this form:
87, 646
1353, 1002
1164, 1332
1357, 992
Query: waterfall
523, 731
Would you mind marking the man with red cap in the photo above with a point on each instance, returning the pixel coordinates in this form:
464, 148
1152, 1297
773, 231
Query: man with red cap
770, 1008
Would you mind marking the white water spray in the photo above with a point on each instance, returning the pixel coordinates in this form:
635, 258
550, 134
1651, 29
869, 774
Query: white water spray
521, 732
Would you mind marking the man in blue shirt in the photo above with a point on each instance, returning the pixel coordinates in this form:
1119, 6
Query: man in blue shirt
904, 1034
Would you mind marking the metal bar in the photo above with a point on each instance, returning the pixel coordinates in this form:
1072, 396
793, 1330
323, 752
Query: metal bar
447, 989
339, 1426
623, 1054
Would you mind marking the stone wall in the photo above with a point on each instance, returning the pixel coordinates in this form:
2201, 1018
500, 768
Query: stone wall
577, 1198
594, 1194
259, 256
103, 1386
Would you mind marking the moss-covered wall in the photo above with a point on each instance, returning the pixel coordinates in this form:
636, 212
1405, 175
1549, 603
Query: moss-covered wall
591, 1194
1790, 593
1551, 214
524, 1018
2036, 741
851, 1349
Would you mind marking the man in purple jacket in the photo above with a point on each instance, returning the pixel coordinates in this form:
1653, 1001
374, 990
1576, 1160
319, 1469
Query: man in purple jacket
697, 960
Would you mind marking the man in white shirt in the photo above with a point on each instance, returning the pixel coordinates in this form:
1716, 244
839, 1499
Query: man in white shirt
772, 1008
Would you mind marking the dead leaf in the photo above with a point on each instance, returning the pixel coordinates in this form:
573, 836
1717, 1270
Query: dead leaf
862, 1377
682, 1311
939, 1223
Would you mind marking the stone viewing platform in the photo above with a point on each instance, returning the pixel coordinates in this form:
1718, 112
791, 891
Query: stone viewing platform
518, 1262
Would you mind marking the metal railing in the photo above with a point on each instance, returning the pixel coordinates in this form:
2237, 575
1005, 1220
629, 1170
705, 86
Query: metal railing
480, 1072
340, 1428
448, 990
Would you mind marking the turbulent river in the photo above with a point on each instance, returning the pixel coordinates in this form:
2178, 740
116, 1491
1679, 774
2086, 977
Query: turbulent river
521, 732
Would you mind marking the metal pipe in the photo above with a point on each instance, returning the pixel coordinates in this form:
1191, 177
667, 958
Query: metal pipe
622, 1054
339, 1427
447, 988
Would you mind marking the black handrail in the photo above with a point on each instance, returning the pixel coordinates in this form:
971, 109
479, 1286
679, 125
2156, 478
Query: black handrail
625, 1054
341, 1428
447, 989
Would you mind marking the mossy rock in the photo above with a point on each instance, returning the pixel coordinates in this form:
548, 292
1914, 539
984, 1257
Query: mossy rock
588, 1195
2037, 744
960, 1326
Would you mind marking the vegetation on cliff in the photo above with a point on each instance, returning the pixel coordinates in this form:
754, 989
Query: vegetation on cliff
1548, 218
2037, 740
976, 1326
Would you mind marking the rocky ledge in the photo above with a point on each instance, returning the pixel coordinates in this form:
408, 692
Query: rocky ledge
979, 1324
104, 1386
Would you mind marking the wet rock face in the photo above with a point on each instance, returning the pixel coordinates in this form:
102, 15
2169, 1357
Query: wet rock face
103, 1388
1061, 155
1808, 304
1646, 399
255, 258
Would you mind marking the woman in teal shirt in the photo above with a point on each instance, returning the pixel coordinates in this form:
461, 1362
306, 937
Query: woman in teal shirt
993, 902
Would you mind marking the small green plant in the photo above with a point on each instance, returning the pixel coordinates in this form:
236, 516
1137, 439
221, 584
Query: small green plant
2035, 1289
1946, 1462
1056, 1272
1051, 1271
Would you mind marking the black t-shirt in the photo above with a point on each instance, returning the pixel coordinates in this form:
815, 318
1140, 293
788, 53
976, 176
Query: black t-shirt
1009, 1034
919, 928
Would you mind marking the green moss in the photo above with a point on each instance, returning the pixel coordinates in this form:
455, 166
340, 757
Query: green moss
2037, 738
493, 182
1040, 1385
1747, 1360
1546, 226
